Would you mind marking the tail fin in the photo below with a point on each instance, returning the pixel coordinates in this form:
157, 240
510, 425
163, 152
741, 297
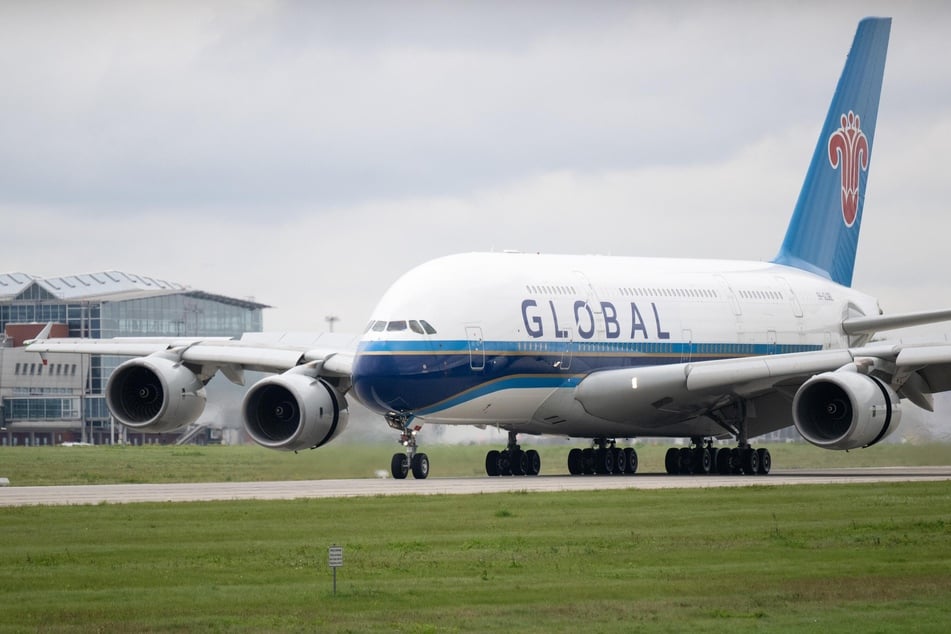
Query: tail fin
824, 230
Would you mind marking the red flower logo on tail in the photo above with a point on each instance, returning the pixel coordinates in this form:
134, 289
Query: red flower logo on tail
848, 148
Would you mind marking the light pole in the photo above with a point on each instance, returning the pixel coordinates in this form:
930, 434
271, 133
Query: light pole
330, 319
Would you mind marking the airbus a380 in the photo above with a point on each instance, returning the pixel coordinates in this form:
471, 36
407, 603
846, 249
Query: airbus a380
593, 347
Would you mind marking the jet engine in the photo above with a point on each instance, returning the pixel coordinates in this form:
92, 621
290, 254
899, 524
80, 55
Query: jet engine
294, 411
155, 394
845, 410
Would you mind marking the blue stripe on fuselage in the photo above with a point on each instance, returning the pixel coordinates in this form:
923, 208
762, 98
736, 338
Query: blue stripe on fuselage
422, 377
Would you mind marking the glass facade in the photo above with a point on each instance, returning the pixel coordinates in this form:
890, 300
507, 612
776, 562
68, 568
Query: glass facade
176, 315
164, 313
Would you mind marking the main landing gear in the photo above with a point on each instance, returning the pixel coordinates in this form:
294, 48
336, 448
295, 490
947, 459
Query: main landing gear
703, 459
512, 460
604, 459
402, 463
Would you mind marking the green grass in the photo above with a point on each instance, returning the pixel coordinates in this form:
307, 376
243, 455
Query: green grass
109, 465
862, 558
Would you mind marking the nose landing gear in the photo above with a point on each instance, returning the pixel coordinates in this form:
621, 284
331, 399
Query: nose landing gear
412, 460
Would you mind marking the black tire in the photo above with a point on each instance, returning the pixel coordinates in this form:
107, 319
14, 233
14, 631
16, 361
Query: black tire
606, 460
765, 461
598, 464
420, 465
620, 461
399, 466
533, 462
723, 462
736, 461
701, 463
575, 462
686, 460
587, 460
505, 463
517, 459
750, 462
672, 461
492, 463
714, 452
631, 455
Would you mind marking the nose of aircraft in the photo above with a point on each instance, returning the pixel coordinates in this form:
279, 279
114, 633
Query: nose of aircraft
392, 382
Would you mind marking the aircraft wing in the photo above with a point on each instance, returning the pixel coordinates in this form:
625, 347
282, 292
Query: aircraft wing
266, 352
913, 371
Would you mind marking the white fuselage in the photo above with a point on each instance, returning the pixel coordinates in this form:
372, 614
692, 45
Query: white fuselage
515, 333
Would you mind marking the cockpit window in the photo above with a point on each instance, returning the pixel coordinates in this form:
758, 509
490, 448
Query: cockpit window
419, 326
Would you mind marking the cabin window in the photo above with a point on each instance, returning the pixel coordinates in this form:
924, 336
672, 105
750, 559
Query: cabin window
379, 326
396, 326
427, 327
415, 327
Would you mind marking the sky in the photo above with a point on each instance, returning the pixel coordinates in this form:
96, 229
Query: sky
307, 154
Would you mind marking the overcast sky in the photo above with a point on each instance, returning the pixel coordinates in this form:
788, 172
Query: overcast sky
306, 154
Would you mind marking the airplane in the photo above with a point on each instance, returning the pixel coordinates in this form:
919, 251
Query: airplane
593, 347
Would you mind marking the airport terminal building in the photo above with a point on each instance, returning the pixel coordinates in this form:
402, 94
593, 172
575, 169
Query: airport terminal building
62, 399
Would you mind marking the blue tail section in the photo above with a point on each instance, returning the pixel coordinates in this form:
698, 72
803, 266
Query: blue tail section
824, 230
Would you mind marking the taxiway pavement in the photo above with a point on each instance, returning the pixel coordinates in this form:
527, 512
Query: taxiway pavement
287, 490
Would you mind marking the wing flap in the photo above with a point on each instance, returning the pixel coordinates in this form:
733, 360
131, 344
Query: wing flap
871, 325
247, 357
274, 353
732, 372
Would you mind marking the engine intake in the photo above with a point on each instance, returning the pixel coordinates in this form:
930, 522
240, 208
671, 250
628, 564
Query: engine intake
294, 411
845, 410
155, 394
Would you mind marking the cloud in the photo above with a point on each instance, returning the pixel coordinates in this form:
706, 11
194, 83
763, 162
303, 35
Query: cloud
308, 153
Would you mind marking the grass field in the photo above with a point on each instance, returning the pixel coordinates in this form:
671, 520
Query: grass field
25, 466
857, 558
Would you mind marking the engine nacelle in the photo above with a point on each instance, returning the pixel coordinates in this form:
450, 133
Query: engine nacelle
845, 410
155, 394
294, 411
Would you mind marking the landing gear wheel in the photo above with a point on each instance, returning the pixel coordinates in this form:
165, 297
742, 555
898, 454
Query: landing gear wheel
606, 461
672, 461
620, 461
533, 462
505, 463
765, 461
517, 458
750, 461
701, 461
575, 462
736, 461
723, 462
492, 463
399, 466
587, 460
420, 464
631, 456
686, 460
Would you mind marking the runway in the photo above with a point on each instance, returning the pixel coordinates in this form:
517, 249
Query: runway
288, 490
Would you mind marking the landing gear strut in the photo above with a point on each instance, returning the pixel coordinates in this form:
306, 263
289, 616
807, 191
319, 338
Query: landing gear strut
512, 460
402, 463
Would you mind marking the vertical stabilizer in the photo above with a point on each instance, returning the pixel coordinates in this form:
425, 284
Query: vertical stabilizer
824, 230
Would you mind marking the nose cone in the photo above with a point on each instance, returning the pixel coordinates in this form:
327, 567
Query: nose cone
384, 382
390, 381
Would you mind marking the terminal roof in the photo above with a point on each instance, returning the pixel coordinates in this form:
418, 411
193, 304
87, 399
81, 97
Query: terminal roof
102, 286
